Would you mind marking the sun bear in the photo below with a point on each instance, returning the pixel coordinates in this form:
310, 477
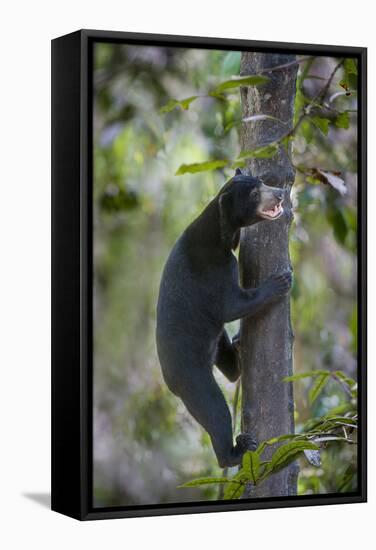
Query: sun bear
200, 292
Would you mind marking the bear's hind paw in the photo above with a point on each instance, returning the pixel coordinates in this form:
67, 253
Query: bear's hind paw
246, 442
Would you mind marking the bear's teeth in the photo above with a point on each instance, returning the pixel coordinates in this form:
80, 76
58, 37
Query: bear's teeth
273, 212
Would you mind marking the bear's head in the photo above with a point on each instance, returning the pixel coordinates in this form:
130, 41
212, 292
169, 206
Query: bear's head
246, 200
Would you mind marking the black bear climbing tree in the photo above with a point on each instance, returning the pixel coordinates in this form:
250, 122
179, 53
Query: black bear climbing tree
162, 152
266, 340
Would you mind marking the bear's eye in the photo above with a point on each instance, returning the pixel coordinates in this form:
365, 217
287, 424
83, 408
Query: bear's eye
254, 193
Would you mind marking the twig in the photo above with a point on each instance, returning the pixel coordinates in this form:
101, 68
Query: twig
345, 387
286, 65
235, 404
321, 95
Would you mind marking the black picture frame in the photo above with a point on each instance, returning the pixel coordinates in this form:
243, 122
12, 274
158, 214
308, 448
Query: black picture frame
72, 261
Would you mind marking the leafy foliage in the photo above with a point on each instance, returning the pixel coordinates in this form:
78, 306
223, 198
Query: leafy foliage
349, 82
255, 80
331, 427
217, 92
201, 167
254, 471
260, 152
183, 103
205, 481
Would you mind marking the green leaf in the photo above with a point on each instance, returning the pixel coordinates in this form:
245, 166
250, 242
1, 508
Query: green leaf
321, 123
231, 124
338, 223
217, 95
340, 418
342, 120
307, 130
231, 64
349, 422
300, 101
350, 66
204, 481
236, 487
288, 453
312, 180
285, 142
326, 424
348, 480
335, 415
351, 218
254, 80
238, 164
354, 329
350, 80
183, 103
262, 152
251, 466
318, 387
304, 72
308, 374
233, 491
115, 199
340, 410
342, 376
275, 440
201, 167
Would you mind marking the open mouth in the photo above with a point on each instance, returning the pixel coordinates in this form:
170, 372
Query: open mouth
273, 213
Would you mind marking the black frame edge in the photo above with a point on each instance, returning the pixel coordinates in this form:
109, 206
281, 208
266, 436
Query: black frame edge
219, 43
362, 274
65, 327
86, 231
230, 506
76, 500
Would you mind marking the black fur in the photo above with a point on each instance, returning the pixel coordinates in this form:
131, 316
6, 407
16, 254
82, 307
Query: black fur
199, 293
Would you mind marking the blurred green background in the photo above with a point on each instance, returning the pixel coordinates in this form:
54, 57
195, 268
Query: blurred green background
145, 443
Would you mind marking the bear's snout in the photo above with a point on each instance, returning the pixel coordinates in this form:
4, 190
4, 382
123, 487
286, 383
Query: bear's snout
271, 202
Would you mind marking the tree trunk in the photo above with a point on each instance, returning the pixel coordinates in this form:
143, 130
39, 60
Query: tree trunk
266, 340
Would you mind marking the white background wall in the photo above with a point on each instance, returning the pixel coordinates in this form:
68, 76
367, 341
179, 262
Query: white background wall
26, 30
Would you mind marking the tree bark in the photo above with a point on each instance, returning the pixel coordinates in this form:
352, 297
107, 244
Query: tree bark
266, 340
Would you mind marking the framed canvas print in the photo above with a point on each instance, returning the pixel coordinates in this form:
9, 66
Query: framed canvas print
208, 274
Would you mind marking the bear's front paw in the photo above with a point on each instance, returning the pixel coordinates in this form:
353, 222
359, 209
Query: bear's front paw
246, 442
279, 284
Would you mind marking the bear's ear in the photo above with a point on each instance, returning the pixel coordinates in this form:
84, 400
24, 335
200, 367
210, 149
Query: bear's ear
224, 203
238, 172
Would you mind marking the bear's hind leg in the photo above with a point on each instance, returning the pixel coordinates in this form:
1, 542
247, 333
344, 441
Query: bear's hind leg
206, 403
227, 358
